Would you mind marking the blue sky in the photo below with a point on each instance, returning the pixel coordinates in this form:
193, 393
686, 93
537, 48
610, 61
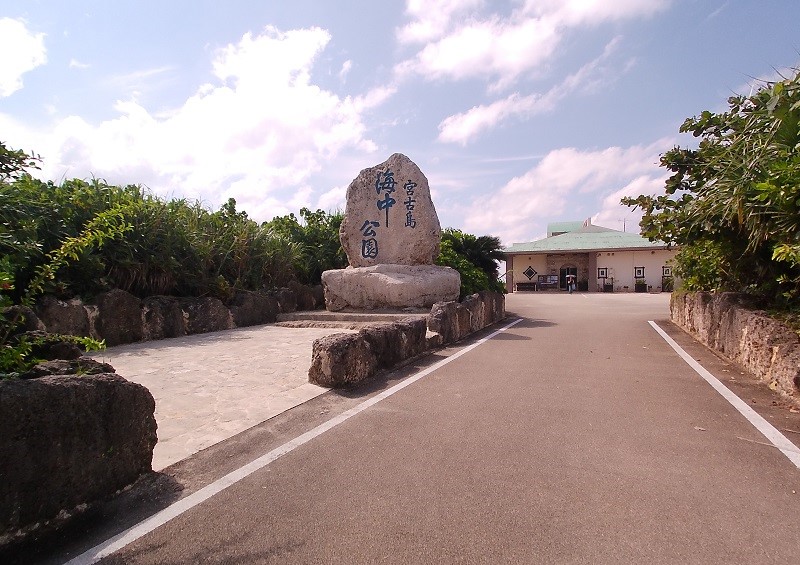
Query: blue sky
519, 113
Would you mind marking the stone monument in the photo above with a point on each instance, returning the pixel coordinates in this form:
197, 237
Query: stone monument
391, 235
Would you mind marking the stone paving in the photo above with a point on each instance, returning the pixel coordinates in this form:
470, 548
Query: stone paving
209, 387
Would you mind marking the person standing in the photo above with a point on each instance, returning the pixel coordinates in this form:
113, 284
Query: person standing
571, 283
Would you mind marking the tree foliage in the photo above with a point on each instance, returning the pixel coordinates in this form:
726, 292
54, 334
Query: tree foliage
18, 349
475, 258
172, 247
13, 163
733, 203
317, 237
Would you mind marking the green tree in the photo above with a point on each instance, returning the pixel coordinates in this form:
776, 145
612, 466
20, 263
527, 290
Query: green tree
18, 349
14, 163
475, 258
317, 235
733, 203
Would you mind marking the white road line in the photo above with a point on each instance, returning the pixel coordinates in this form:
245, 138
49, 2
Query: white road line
147, 525
767, 430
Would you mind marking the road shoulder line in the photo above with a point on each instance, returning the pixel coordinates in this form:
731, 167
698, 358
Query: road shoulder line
775, 437
147, 525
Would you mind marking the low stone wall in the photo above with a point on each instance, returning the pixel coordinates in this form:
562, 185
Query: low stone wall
119, 317
66, 442
763, 346
344, 359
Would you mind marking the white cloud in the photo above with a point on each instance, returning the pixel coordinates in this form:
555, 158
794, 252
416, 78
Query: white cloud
334, 199
589, 12
430, 19
22, 52
466, 126
521, 208
261, 131
137, 80
618, 217
345, 70
489, 48
460, 43
75, 64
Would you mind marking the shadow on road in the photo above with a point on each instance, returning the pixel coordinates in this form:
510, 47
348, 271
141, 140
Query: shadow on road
151, 493
529, 323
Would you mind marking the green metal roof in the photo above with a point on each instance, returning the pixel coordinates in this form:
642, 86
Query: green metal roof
589, 238
562, 227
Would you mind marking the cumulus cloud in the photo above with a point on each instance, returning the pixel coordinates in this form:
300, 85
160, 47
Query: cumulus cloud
615, 216
520, 209
430, 19
333, 199
260, 130
460, 41
494, 48
22, 52
466, 126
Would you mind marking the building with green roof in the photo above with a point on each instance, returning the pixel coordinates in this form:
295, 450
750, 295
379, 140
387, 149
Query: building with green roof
600, 258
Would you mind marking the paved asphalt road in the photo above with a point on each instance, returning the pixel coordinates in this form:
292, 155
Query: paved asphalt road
575, 436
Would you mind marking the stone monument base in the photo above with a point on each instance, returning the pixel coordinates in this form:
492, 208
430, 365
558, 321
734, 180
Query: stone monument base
389, 286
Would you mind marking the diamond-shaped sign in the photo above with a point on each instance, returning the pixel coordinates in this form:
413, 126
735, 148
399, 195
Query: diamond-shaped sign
530, 272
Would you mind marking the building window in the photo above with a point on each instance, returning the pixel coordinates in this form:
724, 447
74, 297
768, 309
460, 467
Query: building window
530, 272
602, 272
666, 271
638, 272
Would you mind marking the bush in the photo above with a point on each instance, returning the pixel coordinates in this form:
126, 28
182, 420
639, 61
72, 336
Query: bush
474, 258
733, 203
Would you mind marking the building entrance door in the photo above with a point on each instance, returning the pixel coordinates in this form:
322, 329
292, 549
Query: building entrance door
562, 276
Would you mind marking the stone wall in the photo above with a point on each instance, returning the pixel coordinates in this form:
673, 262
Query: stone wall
119, 317
66, 442
345, 359
763, 346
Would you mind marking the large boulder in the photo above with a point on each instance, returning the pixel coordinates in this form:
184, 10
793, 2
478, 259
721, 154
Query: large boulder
69, 441
287, 300
67, 317
69, 366
341, 359
389, 216
47, 346
390, 287
26, 319
318, 292
477, 311
304, 295
207, 314
163, 317
253, 308
451, 320
494, 306
119, 317
395, 342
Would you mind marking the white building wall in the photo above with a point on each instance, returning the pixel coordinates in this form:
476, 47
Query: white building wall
517, 264
621, 267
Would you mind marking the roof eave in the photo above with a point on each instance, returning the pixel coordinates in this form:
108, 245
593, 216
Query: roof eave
592, 250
